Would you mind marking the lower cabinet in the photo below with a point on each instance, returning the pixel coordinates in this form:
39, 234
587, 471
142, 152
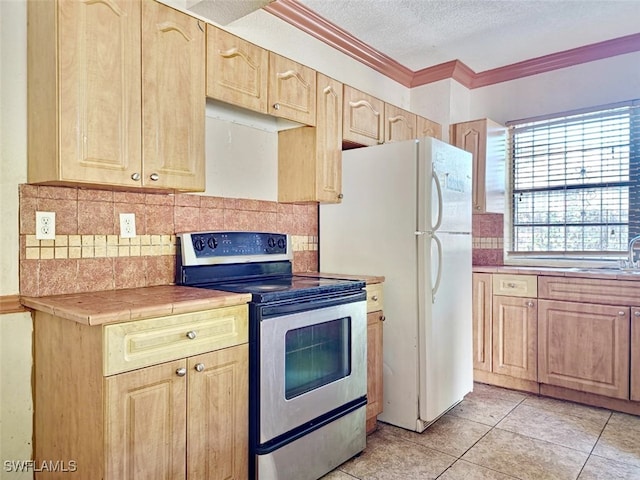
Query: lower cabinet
635, 354
515, 337
178, 420
584, 347
504, 330
375, 317
182, 419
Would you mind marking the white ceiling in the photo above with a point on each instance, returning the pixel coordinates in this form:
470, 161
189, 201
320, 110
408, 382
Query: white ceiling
482, 34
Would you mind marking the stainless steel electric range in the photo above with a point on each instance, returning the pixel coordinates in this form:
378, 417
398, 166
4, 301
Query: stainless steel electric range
307, 352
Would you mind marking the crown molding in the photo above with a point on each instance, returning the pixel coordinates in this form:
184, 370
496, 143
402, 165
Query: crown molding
308, 21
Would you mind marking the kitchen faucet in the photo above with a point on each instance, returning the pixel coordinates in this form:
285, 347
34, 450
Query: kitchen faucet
632, 242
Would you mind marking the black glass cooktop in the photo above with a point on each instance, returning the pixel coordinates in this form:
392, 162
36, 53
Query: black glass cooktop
288, 287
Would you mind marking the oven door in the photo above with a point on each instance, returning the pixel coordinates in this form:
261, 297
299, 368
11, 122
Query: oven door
311, 363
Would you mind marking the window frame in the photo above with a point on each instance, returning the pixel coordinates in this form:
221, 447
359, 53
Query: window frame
583, 259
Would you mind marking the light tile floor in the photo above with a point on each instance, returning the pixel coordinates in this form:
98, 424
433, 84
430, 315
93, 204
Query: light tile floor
498, 434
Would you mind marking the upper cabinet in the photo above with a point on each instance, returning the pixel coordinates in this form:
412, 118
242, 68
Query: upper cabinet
398, 124
93, 115
486, 140
363, 118
428, 128
173, 100
310, 158
292, 90
248, 76
237, 71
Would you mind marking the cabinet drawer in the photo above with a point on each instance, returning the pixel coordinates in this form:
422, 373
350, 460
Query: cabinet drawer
590, 290
515, 285
132, 345
374, 297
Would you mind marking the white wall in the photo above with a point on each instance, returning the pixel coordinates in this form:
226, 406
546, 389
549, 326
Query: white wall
590, 84
15, 329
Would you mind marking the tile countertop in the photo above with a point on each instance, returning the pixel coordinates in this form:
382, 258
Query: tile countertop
97, 308
600, 273
369, 279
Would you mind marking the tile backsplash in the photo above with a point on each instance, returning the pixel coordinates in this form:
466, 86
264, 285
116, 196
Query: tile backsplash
488, 234
89, 255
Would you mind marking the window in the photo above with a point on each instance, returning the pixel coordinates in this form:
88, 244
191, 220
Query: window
575, 183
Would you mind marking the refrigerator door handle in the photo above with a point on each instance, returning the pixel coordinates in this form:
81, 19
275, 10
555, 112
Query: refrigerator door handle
436, 284
436, 182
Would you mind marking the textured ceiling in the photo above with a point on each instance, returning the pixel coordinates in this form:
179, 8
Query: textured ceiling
483, 34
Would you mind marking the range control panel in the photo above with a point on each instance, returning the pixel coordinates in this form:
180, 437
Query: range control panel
201, 248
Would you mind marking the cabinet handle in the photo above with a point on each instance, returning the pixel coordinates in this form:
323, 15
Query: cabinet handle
191, 334
135, 176
374, 298
199, 367
276, 106
181, 372
154, 176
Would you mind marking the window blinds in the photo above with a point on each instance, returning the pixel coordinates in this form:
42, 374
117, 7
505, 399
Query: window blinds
575, 182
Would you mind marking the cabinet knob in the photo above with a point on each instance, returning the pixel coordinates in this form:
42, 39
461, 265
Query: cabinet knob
383, 318
477, 207
191, 334
135, 176
374, 298
276, 106
199, 367
181, 372
511, 285
621, 313
636, 313
340, 196
529, 304
154, 177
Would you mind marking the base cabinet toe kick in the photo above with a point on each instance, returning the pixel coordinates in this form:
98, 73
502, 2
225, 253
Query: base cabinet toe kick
580, 337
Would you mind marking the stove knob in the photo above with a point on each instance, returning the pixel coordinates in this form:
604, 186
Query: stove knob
271, 242
282, 243
199, 244
213, 243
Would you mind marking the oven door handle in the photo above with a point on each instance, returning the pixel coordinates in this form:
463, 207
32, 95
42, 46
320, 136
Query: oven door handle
277, 309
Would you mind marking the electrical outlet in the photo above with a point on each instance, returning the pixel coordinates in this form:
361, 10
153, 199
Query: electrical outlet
127, 225
45, 225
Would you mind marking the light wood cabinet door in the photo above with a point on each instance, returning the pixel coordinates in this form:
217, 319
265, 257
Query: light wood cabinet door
515, 337
635, 354
292, 90
310, 158
399, 124
218, 405
482, 342
363, 118
237, 71
145, 423
374, 368
173, 86
84, 91
584, 347
486, 140
428, 128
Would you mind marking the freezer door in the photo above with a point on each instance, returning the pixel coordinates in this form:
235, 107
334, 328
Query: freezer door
452, 168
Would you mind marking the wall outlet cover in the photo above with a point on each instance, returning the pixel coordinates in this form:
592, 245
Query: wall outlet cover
45, 225
127, 225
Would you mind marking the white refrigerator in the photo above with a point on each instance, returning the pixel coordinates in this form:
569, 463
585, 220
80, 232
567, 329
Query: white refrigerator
406, 215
